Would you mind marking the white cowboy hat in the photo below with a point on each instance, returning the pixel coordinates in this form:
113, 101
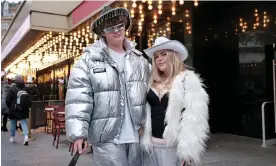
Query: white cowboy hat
162, 43
108, 13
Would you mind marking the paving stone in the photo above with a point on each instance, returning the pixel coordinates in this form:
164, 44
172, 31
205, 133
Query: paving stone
9, 163
222, 150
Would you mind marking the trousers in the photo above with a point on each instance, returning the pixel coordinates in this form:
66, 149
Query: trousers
24, 125
161, 155
110, 154
5, 121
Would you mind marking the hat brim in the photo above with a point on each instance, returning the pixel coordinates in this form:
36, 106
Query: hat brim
96, 24
170, 45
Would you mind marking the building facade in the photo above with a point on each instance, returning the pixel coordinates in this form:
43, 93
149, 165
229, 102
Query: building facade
231, 44
7, 13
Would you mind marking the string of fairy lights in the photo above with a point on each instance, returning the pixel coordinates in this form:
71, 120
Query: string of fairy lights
53, 47
258, 23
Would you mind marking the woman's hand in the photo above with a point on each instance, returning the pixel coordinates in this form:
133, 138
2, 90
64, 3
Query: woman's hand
183, 163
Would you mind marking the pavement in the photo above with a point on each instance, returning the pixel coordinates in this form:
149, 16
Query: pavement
39, 152
223, 150
232, 150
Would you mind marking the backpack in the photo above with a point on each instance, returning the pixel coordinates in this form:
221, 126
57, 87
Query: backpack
23, 100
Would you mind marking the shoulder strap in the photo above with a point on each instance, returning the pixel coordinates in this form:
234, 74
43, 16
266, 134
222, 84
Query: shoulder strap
21, 92
137, 52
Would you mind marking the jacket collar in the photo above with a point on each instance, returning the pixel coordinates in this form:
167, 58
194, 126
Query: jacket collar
101, 44
127, 44
99, 49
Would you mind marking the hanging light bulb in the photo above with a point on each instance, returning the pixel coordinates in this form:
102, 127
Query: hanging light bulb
155, 17
134, 5
195, 3
140, 25
173, 9
181, 2
140, 9
187, 13
132, 13
160, 12
150, 4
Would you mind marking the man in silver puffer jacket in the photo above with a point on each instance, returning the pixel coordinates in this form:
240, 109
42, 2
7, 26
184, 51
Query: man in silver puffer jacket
106, 95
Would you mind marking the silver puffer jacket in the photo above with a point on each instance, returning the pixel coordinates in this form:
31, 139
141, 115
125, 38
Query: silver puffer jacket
95, 97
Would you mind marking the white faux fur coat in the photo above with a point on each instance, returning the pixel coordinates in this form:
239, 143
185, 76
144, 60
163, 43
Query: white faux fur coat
186, 118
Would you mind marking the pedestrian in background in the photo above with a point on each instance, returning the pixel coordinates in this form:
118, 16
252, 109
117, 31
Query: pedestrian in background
18, 102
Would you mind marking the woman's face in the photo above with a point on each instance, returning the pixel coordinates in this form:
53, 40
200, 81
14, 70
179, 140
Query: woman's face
161, 60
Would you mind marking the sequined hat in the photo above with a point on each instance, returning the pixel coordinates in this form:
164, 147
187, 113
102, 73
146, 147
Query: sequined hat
107, 14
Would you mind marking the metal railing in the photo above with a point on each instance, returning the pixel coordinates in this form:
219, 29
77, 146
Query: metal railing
274, 88
270, 141
38, 114
49, 97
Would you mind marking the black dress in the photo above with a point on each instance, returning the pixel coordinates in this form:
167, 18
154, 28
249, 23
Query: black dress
158, 111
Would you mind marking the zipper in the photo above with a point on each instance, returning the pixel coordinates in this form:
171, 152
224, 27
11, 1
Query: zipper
114, 65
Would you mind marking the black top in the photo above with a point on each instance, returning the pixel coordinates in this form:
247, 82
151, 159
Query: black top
158, 111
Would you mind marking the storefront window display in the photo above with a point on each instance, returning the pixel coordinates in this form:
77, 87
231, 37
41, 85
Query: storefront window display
60, 76
44, 80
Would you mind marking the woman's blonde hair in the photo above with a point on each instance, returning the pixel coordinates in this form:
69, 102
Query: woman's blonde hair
175, 67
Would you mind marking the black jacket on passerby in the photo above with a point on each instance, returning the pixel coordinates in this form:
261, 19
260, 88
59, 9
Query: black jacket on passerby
4, 91
33, 92
14, 113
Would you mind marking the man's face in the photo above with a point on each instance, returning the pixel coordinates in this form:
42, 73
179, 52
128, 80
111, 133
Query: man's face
115, 34
114, 30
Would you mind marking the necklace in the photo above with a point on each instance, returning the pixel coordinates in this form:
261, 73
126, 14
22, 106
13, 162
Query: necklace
162, 88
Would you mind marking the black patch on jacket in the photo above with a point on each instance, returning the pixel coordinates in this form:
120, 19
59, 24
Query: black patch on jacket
99, 70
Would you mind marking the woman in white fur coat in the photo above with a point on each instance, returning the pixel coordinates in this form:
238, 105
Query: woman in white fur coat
177, 126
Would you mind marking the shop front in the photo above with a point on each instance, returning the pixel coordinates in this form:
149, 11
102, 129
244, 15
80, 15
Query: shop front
230, 45
46, 50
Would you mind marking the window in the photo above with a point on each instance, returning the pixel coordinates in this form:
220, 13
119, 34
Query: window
6, 13
4, 25
6, 6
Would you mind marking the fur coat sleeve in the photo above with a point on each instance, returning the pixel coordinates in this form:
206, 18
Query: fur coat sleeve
186, 118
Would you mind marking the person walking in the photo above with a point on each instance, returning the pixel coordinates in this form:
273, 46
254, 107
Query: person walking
18, 102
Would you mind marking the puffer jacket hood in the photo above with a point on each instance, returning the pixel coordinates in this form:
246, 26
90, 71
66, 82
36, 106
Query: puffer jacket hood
100, 45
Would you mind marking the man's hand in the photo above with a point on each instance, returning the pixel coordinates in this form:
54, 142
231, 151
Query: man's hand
141, 131
78, 146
